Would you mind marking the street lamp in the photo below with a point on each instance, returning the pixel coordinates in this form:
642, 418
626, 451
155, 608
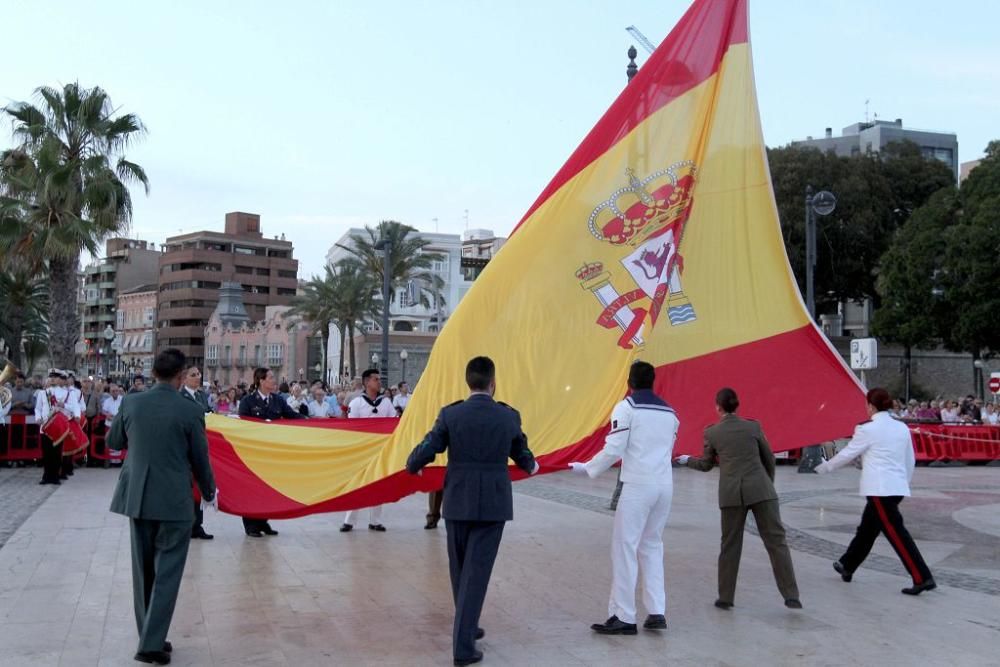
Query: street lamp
375, 360
385, 245
821, 203
403, 354
109, 335
319, 370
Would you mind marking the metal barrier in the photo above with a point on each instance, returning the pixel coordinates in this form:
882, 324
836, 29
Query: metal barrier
21, 440
955, 442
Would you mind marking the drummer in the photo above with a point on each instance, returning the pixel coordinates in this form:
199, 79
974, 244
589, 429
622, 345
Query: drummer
50, 400
75, 407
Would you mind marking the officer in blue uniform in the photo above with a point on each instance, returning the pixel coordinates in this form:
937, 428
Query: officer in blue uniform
264, 402
480, 434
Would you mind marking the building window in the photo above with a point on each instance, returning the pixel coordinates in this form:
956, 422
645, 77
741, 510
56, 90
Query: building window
256, 356
274, 354
285, 291
284, 273
212, 352
243, 251
440, 265
147, 342
148, 315
243, 269
243, 354
263, 272
227, 354
121, 319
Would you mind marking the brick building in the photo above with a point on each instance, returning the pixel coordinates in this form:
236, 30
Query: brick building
235, 344
194, 266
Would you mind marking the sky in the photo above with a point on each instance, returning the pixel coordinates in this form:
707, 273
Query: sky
321, 116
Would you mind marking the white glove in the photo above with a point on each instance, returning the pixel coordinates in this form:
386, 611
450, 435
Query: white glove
578, 468
823, 468
683, 459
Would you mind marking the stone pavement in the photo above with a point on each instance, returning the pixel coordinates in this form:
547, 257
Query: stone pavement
314, 596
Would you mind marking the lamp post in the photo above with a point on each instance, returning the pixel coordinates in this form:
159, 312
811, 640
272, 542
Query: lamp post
375, 360
319, 370
385, 245
821, 203
109, 336
403, 354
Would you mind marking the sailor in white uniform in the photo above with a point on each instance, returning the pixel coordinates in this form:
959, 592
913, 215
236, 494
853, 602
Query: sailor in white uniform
887, 460
372, 403
643, 431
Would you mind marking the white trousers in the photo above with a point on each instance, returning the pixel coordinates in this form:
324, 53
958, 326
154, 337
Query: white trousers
374, 515
638, 541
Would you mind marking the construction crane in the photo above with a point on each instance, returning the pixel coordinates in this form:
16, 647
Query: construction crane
641, 38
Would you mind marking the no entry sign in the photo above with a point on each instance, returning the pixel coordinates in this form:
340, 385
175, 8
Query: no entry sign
995, 384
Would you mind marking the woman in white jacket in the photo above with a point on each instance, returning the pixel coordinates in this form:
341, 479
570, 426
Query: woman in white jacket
887, 461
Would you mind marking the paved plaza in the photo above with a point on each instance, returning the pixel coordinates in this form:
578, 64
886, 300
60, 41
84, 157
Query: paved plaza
314, 596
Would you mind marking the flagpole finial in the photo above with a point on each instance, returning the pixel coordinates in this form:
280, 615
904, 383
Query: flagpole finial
632, 68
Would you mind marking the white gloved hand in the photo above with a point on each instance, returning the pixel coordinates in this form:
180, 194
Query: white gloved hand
535, 469
578, 468
823, 468
683, 459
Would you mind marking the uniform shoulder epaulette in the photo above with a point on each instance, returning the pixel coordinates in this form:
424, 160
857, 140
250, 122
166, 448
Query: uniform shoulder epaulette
750, 419
506, 406
867, 421
455, 403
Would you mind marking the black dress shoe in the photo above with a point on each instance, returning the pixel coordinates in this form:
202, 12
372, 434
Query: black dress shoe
480, 633
430, 525
377, 527
917, 589
168, 647
614, 626
655, 622
154, 657
346, 528
722, 604
254, 533
476, 657
793, 603
267, 530
200, 534
63, 477
842, 571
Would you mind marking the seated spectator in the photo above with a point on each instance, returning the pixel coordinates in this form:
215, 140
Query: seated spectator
949, 413
297, 400
969, 413
991, 415
318, 407
334, 409
925, 412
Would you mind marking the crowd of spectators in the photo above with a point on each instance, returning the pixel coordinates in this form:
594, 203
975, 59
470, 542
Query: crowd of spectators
967, 410
317, 400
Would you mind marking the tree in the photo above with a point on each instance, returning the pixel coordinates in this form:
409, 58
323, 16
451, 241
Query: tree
909, 280
71, 176
971, 265
344, 296
23, 304
408, 260
876, 193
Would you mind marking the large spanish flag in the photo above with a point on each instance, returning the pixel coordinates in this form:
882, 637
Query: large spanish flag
658, 240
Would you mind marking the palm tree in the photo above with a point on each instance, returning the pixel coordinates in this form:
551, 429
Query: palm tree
344, 296
71, 177
408, 261
23, 305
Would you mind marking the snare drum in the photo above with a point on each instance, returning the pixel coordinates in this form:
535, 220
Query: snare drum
56, 428
76, 441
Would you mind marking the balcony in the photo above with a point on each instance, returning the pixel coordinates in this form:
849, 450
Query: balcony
241, 362
211, 362
224, 363
274, 362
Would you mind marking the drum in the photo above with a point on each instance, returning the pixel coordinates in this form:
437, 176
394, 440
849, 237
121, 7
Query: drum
57, 427
76, 441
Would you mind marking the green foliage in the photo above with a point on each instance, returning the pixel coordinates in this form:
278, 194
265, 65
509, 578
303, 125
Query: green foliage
24, 300
65, 189
875, 194
408, 260
909, 279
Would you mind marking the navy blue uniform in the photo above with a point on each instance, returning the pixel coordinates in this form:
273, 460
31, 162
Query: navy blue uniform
480, 435
273, 407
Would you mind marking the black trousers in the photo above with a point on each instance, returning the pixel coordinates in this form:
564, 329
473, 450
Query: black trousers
51, 460
434, 500
254, 524
472, 550
199, 517
882, 515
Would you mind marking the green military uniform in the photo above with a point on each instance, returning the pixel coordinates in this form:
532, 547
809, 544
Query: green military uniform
746, 483
165, 437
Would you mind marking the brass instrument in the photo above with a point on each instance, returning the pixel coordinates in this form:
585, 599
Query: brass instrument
6, 395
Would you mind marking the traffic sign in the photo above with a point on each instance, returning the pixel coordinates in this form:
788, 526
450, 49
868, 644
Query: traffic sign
995, 383
864, 354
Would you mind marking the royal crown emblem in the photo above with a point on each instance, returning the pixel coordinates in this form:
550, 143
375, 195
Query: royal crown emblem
645, 208
646, 217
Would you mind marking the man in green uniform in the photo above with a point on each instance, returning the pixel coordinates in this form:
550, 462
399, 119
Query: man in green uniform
165, 437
